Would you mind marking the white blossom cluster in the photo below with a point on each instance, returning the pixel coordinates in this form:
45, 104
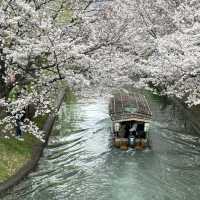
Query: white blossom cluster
156, 43
174, 67
90, 44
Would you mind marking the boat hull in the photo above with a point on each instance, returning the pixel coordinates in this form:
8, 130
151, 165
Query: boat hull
124, 143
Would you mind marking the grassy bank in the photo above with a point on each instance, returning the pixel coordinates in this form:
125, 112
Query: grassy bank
14, 153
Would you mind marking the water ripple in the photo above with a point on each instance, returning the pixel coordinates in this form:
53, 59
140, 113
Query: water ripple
81, 164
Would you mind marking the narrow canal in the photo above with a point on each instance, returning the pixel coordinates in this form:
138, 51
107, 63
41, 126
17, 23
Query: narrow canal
80, 163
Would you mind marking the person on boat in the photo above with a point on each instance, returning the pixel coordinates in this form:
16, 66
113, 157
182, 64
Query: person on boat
132, 134
132, 130
122, 130
116, 128
131, 139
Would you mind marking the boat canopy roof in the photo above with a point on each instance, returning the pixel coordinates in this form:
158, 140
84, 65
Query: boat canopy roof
132, 107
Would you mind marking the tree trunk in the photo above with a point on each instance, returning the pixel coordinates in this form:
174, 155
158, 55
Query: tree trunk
2, 72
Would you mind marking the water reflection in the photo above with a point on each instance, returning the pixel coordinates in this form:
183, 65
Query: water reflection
80, 162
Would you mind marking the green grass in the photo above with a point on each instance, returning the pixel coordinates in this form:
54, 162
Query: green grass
14, 153
40, 120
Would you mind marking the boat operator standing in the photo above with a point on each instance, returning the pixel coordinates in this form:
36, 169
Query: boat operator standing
132, 134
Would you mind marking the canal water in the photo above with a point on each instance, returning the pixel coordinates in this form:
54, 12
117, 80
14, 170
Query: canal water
80, 162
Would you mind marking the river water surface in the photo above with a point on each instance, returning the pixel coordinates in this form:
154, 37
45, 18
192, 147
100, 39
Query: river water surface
80, 163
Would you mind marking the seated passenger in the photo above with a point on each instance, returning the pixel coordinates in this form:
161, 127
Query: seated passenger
122, 131
133, 129
116, 128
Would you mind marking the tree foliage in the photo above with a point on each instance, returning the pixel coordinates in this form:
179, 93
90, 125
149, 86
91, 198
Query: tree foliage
88, 43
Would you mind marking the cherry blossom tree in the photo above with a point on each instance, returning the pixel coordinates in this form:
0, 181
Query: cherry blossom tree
34, 50
174, 66
158, 46
90, 44
38, 49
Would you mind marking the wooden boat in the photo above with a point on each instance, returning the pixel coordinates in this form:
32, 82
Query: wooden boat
131, 117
